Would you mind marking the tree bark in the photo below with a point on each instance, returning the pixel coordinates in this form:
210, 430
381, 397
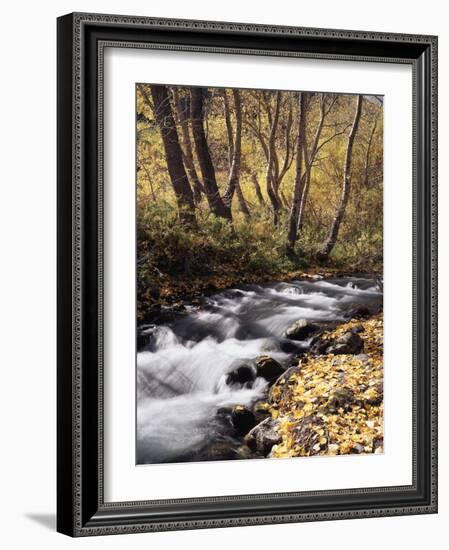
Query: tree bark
244, 208
289, 153
214, 199
333, 233
257, 189
299, 179
234, 172
366, 179
270, 184
173, 153
309, 159
183, 113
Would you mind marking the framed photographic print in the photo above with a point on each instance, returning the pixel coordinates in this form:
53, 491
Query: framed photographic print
247, 293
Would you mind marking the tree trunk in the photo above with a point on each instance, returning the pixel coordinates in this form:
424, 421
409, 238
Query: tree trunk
183, 112
229, 132
281, 171
257, 189
173, 154
305, 193
299, 179
333, 233
366, 179
309, 159
244, 208
270, 183
214, 199
234, 173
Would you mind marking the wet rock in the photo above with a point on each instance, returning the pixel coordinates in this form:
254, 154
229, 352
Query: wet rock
319, 346
268, 368
261, 411
291, 347
220, 450
144, 335
301, 330
263, 437
347, 343
358, 329
282, 386
244, 452
311, 435
343, 398
359, 312
296, 369
224, 411
241, 375
242, 419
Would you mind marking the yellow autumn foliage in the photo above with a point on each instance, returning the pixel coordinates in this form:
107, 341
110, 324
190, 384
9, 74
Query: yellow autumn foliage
308, 391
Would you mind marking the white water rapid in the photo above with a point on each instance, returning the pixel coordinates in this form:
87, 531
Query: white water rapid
181, 373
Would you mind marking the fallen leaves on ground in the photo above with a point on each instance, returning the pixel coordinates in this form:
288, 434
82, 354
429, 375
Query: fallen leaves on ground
333, 404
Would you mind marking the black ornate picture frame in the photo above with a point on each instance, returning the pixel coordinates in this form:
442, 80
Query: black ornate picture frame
81, 509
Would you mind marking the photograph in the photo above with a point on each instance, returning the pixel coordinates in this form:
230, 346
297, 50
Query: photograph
247, 275
259, 273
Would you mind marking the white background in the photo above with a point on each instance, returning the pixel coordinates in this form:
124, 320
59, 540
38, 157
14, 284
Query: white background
123, 481
27, 229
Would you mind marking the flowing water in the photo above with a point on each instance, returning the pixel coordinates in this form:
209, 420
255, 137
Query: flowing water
182, 371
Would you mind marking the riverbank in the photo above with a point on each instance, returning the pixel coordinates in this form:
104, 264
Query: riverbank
173, 293
333, 404
226, 379
327, 403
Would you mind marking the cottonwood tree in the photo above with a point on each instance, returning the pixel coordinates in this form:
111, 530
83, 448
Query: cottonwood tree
216, 204
326, 103
182, 104
331, 239
257, 188
270, 121
367, 168
304, 166
173, 155
234, 152
271, 151
299, 176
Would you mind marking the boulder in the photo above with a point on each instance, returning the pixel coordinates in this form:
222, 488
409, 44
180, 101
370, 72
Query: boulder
220, 450
283, 383
347, 343
242, 419
144, 335
261, 410
359, 312
244, 452
301, 330
263, 437
319, 346
268, 368
241, 375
